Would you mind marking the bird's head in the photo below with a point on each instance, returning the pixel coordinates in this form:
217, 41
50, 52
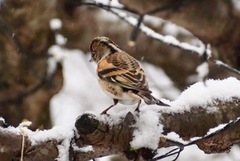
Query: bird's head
101, 47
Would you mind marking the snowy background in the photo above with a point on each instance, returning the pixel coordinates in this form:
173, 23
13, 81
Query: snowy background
81, 93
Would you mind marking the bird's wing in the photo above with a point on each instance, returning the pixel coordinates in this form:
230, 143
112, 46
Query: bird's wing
123, 70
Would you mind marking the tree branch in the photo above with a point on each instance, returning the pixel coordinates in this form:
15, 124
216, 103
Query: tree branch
219, 30
107, 138
201, 119
198, 119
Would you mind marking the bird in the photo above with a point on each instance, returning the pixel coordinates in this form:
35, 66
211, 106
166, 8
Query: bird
120, 75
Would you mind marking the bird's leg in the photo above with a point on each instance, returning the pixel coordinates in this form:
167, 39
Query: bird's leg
137, 109
105, 111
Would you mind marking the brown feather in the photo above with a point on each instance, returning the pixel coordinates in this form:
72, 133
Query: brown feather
123, 70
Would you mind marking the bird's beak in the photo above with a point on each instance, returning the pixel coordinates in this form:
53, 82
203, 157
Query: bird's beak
91, 60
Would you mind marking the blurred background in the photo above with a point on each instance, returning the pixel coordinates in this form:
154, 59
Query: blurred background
45, 75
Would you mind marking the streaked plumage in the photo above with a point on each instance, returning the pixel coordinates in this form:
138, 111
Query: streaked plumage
120, 75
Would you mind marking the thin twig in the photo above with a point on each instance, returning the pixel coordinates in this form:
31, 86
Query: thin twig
170, 153
226, 66
135, 32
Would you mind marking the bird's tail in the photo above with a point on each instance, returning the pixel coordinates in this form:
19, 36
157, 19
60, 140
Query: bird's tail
149, 99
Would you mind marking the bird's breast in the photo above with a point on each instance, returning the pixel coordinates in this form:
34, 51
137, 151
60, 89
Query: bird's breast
116, 92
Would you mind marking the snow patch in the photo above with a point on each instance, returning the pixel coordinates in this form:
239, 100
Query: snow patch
51, 66
63, 150
55, 24
2, 119
59, 133
220, 127
110, 2
60, 39
84, 149
236, 4
205, 95
56, 133
175, 137
148, 130
215, 129
203, 70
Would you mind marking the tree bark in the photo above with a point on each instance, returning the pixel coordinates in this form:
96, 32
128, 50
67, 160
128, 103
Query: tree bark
25, 37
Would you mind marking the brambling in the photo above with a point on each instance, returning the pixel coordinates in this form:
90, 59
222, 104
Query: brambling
120, 75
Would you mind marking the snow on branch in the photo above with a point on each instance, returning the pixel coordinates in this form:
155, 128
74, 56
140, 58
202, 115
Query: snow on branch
168, 39
129, 16
134, 129
196, 114
126, 15
206, 116
38, 145
225, 66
